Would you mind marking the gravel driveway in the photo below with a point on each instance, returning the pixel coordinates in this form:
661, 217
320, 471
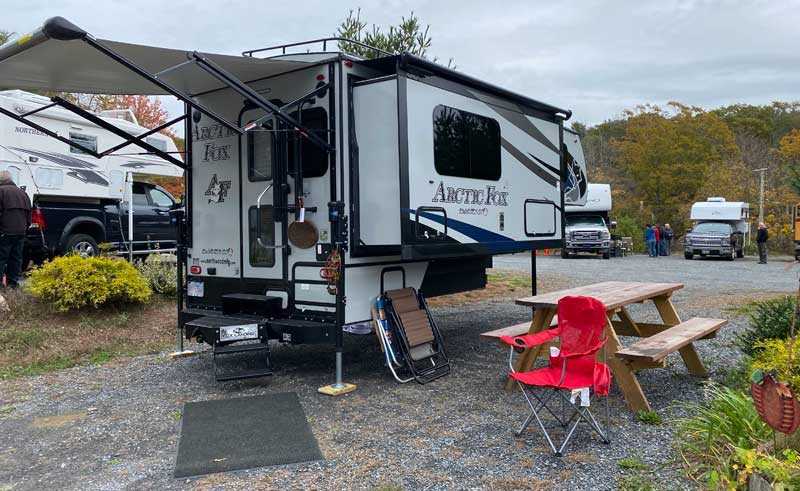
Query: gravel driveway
116, 426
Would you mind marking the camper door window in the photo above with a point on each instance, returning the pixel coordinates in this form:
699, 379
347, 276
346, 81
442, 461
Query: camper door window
259, 154
260, 256
87, 141
465, 144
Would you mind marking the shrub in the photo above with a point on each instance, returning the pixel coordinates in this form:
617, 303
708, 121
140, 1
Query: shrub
161, 273
770, 319
773, 354
73, 282
722, 436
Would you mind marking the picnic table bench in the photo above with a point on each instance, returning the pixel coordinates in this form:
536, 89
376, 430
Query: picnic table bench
658, 340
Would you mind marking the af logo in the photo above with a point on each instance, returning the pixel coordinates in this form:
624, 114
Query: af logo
217, 190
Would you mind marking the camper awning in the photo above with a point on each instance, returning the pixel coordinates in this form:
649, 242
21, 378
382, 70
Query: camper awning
57, 57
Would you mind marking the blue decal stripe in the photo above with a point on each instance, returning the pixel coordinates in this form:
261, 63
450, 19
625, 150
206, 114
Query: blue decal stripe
494, 241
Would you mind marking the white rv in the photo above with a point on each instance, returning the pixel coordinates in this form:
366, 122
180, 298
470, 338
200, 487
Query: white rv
46, 166
316, 181
588, 226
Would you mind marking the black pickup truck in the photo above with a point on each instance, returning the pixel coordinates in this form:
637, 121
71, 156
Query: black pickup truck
62, 225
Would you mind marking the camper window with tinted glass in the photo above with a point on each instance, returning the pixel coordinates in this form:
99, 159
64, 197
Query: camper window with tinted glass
86, 141
259, 154
465, 144
261, 254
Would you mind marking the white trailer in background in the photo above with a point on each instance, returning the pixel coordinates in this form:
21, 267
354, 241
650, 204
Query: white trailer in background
588, 227
719, 229
318, 180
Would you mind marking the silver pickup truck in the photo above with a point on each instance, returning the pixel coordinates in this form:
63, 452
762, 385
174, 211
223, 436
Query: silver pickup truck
586, 233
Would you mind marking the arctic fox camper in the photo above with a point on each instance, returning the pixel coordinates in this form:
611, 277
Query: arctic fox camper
316, 181
79, 196
719, 229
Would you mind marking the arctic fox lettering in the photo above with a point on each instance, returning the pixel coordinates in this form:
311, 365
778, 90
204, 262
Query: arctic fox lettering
469, 196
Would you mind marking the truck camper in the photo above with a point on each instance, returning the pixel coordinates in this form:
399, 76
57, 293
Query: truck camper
316, 181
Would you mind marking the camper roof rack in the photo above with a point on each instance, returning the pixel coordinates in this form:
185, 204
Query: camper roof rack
324, 42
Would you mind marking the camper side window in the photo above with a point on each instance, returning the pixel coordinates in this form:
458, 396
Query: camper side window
261, 256
465, 144
157, 142
87, 141
315, 159
259, 154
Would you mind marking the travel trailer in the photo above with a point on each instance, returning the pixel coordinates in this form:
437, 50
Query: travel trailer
316, 181
588, 226
80, 197
719, 229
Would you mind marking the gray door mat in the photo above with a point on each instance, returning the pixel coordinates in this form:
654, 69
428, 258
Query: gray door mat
243, 433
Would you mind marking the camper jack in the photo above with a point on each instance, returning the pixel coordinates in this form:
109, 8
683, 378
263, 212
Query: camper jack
313, 178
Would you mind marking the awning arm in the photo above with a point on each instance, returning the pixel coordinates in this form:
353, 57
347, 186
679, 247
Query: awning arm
242, 89
129, 139
144, 135
286, 106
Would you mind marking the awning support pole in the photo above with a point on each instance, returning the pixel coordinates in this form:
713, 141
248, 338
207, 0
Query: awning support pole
143, 135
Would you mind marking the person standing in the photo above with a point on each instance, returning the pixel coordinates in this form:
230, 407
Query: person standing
668, 236
650, 240
761, 239
15, 218
658, 241
662, 241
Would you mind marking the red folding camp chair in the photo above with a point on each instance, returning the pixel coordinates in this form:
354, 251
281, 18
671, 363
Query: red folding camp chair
581, 322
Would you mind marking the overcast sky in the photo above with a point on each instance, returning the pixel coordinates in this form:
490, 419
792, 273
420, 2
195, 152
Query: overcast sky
595, 57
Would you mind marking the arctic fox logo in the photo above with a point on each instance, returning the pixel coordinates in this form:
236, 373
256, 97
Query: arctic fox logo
217, 190
468, 196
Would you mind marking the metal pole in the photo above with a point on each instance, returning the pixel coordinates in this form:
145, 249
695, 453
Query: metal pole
533, 279
761, 195
129, 181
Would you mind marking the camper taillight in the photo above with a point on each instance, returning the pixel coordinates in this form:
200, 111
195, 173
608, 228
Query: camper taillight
37, 218
195, 269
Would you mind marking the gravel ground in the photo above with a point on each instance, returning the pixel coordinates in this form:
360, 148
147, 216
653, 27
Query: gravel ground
116, 426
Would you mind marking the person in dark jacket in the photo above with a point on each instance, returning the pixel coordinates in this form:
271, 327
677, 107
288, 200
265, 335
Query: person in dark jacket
666, 239
761, 239
15, 218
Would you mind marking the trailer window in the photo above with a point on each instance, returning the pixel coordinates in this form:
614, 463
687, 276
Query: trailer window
157, 142
259, 153
465, 144
261, 256
315, 159
87, 141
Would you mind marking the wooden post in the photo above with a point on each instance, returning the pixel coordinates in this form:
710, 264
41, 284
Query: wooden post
622, 373
671, 318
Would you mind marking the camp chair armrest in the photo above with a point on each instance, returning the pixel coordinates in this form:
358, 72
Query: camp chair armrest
530, 340
590, 351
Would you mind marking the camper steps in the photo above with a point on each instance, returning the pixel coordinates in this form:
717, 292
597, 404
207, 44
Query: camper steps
235, 366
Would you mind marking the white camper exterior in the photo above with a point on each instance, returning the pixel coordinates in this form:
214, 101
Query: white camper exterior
718, 209
317, 181
45, 166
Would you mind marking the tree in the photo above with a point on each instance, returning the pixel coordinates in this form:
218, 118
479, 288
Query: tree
408, 35
4, 36
148, 111
669, 155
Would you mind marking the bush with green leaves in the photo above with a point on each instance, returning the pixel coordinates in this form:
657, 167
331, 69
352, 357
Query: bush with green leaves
722, 441
770, 319
74, 282
161, 273
773, 354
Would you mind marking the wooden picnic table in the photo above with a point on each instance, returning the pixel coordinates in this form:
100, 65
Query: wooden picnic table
648, 353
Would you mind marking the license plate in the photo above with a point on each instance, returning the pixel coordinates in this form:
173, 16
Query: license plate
705, 251
236, 333
195, 288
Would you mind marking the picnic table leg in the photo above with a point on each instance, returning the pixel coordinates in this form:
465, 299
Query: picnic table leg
670, 317
541, 321
622, 373
628, 321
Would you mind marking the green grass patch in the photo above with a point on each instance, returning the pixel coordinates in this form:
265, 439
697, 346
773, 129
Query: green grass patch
650, 417
36, 368
636, 482
22, 339
8, 410
99, 357
632, 462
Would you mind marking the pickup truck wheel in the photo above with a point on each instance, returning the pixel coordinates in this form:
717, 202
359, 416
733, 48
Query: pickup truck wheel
607, 255
687, 255
740, 253
564, 254
731, 257
82, 244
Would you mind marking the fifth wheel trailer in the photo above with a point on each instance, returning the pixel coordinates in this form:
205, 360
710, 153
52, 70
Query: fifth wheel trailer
316, 181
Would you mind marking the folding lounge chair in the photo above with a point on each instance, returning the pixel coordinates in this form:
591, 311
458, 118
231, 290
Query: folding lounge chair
581, 322
419, 341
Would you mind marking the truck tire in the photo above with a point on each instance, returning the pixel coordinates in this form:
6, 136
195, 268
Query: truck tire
81, 244
688, 255
740, 253
607, 255
731, 257
564, 254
